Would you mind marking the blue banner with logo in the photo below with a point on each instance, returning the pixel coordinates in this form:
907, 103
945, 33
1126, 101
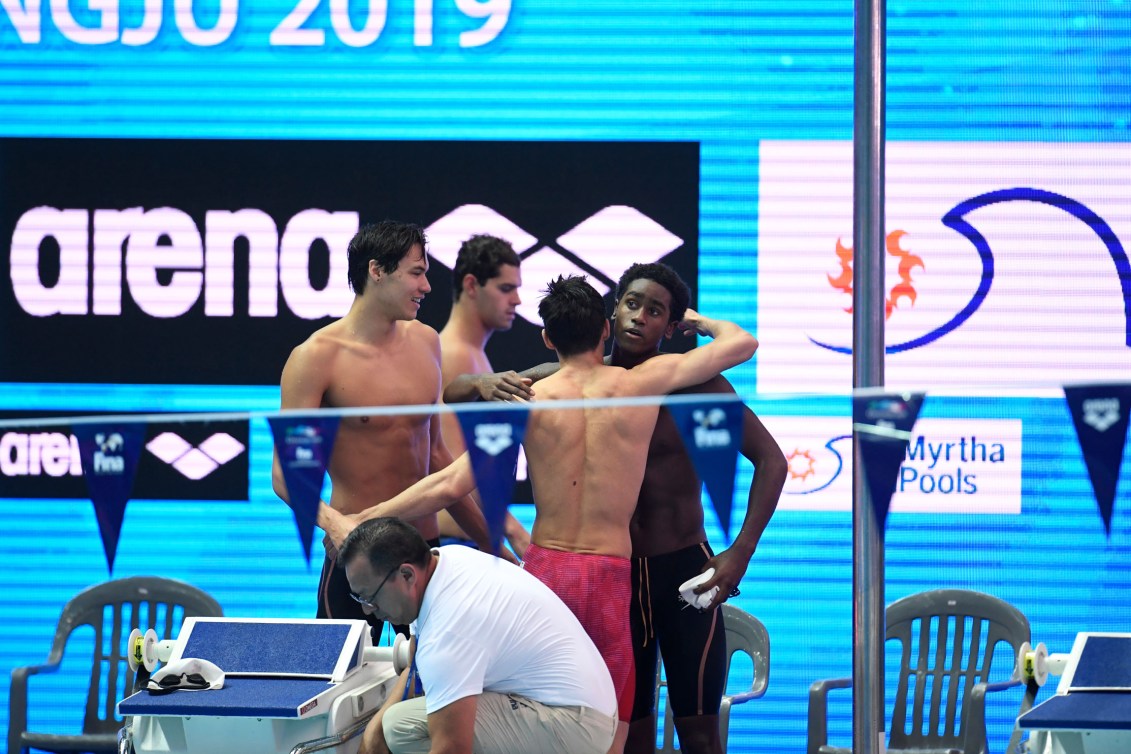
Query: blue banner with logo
304, 445
712, 433
109, 454
1100, 413
493, 439
883, 424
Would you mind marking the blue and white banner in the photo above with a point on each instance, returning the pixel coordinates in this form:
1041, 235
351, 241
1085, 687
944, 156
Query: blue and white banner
493, 439
883, 424
109, 454
953, 466
1005, 264
304, 445
1100, 413
712, 433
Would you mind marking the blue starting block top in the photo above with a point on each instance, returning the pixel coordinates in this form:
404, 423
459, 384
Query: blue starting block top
272, 668
1095, 691
270, 648
1104, 664
1081, 710
240, 697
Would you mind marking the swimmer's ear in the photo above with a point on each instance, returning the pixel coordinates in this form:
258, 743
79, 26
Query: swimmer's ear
469, 285
670, 331
546, 339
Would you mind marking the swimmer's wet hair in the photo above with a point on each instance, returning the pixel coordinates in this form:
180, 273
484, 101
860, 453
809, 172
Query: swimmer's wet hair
573, 314
482, 256
387, 243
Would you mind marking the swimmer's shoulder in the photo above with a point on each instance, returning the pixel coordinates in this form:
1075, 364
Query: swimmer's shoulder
322, 342
417, 332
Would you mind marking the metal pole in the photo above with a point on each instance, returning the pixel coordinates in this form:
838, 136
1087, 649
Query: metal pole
869, 292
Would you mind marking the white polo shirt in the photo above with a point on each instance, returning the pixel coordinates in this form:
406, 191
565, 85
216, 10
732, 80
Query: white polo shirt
487, 625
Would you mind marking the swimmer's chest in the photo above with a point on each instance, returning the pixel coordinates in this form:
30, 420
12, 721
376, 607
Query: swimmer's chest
384, 385
666, 446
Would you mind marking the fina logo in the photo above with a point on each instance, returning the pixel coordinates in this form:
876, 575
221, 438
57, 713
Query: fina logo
710, 429
493, 439
108, 454
607, 244
1101, 413
304, 442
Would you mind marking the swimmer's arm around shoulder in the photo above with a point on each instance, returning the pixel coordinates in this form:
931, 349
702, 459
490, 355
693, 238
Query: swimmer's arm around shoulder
492, 386
541, 371
731, 346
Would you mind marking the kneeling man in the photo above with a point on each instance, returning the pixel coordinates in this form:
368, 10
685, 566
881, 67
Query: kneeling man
506, 667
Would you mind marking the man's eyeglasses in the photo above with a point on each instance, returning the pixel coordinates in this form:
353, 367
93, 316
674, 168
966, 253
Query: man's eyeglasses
371, 601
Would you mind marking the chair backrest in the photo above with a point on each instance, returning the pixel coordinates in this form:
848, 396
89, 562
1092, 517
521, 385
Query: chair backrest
948, 639
744, 633
113, 609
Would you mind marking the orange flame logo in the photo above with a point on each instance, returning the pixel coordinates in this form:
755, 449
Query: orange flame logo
901, 290
801, 464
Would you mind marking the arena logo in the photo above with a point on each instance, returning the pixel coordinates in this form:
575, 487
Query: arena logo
55, 454
195, 461
493, 439
951, 466
1101, 413
194, 264
234, 251
601, 247
166, 280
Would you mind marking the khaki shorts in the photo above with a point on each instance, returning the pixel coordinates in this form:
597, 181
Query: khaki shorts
507, 724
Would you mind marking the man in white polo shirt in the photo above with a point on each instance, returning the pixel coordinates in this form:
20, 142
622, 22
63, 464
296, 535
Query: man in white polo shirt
506, 667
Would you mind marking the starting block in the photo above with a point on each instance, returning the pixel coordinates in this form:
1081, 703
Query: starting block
289, 686
1091, 711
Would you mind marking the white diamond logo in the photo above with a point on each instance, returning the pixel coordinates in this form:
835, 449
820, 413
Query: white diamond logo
195, 462
610, 242
168, 446
618, 236
1101, 413
222, 447
447, 234
538, 270
493, 439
